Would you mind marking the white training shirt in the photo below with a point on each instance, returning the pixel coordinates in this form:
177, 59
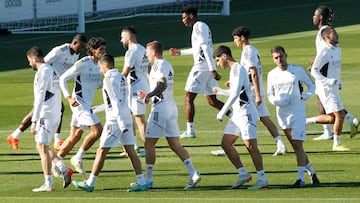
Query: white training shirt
61, 58
285, 89
239, 92
162, 69
115, 97
201, 47
250, 57
136, 59
87, 75
326, 68
47, 96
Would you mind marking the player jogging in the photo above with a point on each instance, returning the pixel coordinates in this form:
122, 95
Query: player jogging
61, 58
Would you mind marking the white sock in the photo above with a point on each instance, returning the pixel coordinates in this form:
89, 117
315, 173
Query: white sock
277, 138
149, 172
261, 175
310, 169
48, 180
80, 153
311, 120
140, 179
337, 140
16, 134
190, 129
301, 171
91, 180
349, 118
242, 171
60, 164
327, 129
190, 167
60, 157
57, 137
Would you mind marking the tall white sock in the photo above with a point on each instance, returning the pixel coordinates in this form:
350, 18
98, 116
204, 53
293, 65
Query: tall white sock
327, 129
190, 167
190, 129
48, 180
242, 171
301, 171
261, 175
349, 117
91, 180
16, 134
149, 172
337, 140
140, 179
60, 164
80, 153
310, 169
57, 137
311, 120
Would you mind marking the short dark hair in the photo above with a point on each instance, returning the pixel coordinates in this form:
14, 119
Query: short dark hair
277, 49
190, 9
130, 29
241, 31
107, 58
35, 52
95, 42
222, 50
156, 46
79, 38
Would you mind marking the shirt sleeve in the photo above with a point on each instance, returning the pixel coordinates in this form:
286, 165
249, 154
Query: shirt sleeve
203, 32
52, 55
270, 89
319, 62
72, 72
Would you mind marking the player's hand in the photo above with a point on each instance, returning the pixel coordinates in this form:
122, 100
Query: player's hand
215, 90
174, 52
73, 102
227, 84
220, 116
142, 94
216, 75
257, 100
33, 127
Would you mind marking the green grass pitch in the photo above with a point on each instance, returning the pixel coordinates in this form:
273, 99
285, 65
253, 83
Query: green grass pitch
286, 23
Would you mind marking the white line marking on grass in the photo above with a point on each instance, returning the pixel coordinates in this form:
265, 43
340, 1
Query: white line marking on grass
203, 199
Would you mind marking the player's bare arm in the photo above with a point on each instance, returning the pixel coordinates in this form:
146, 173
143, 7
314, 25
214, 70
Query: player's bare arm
255, 80
216, 75
126, 70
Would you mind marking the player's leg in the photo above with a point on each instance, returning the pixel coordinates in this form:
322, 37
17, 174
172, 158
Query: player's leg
57, 136
140, 184
69, 143
13, 138
337, 128
150, 158
141, 124
227, 143
182, 153
189, 115
89, 140
354, 123
251, 146
271, 127
327, 134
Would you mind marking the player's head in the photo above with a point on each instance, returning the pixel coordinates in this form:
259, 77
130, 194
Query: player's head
96, 47
34, 55
78, 44
240, 35
323, 15
189, 15
106, 62
330, 35
154, 50
279, 56
222, 56
127, 35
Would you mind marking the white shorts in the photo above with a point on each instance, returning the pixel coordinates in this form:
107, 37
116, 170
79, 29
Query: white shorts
162, 120
45, 130
243, 126
200, 82
295, 122
330, 99
83, 116
112, 135
262, 108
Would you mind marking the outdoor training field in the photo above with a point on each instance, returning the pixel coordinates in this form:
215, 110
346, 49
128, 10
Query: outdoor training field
282, 22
